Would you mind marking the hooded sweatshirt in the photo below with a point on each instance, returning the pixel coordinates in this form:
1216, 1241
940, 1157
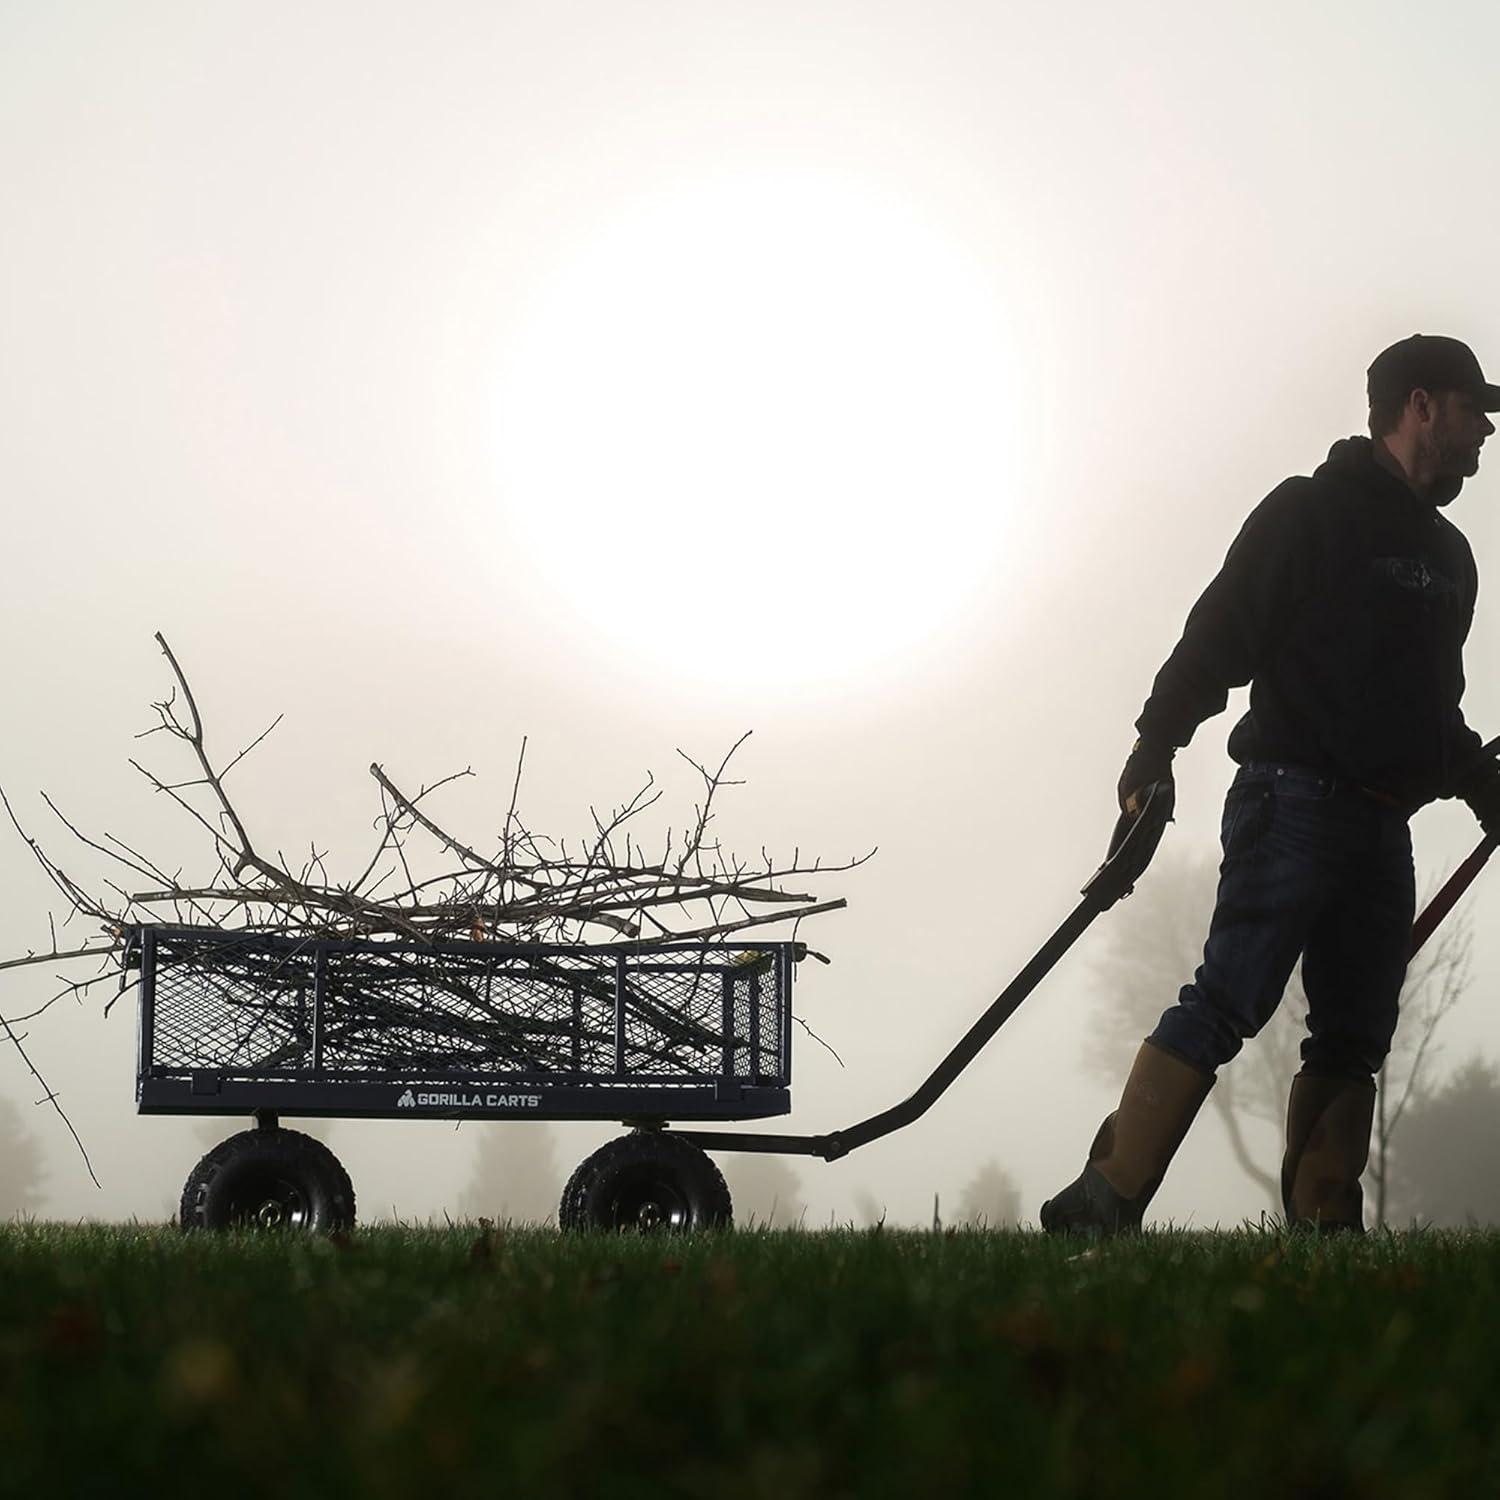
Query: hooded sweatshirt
1344, 603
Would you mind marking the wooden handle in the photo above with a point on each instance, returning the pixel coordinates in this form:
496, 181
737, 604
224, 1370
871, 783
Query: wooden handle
1445, 900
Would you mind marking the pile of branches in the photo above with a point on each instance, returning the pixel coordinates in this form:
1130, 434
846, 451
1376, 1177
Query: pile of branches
523, 888
606, 889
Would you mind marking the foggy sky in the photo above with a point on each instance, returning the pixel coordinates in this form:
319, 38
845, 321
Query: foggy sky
273, 278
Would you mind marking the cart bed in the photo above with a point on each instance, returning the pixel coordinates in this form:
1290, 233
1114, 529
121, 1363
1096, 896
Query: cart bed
236, 1022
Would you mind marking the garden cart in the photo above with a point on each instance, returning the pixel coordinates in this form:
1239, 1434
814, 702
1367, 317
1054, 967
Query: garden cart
263, 1025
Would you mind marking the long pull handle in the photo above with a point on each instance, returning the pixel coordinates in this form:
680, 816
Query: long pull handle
841, 1142
1130, 850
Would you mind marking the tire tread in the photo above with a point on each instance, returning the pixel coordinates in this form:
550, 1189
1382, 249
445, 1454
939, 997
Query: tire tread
709, 1187
315, 1157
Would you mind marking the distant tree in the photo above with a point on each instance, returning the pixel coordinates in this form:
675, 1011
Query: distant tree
1444, 1169
990, 1199
1153, 948
21, 1169
515, 1174
765, 1190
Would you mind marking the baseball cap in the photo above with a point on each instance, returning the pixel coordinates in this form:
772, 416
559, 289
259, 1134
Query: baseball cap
1430, 362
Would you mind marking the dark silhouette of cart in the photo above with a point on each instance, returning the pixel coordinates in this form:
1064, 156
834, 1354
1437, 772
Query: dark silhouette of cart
263, 1025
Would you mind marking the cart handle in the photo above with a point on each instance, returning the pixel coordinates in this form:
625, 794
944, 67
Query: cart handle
1134, 842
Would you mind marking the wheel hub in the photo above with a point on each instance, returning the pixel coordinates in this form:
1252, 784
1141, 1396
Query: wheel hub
270, 1203
650, 1215
648, 1204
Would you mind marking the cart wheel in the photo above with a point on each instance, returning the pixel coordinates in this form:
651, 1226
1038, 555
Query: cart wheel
272, 1180
646, 1181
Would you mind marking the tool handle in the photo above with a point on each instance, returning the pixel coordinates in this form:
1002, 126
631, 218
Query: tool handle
1454, 887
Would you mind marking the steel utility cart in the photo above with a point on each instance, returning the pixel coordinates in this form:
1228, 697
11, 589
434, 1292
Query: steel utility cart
261, 1025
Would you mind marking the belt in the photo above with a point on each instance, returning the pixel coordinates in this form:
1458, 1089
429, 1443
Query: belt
1335, 783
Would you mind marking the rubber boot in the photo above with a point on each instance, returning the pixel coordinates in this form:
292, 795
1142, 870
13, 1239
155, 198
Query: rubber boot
1134, 1145
1327, 1145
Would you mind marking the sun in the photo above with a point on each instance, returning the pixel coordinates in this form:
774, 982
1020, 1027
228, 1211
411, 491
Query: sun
759, 430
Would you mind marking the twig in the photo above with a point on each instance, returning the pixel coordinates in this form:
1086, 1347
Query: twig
49, 1096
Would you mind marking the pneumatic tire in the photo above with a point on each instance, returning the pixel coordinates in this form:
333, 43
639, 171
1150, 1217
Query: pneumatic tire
271, 1180
646, 1182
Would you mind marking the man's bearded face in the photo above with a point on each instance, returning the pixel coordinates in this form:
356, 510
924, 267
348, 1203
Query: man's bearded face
1451, 444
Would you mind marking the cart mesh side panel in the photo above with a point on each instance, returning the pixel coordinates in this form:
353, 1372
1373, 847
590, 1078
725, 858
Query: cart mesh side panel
232, 1006
254, 1006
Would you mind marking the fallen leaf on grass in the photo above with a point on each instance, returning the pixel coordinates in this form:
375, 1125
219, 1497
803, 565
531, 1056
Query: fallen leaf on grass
721, 1278
1270, 1260
1248, 1298
198, 1372
72, 1328
1403, 1278
1194, 1376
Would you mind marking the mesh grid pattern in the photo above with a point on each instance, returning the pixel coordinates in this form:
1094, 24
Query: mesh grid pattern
241, 1011
259, 1007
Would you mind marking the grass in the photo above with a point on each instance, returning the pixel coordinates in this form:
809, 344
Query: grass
416, 1363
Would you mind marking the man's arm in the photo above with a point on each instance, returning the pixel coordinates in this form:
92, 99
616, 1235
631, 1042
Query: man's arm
1236, 620
1478, 781
1476, 775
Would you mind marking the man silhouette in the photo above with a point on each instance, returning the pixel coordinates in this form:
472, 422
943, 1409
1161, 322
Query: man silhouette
1344, 603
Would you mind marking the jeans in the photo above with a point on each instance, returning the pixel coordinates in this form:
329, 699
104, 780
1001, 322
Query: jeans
1313, 868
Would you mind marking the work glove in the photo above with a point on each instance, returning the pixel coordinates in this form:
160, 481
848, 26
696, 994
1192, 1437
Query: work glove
1481, 790
1147, 764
